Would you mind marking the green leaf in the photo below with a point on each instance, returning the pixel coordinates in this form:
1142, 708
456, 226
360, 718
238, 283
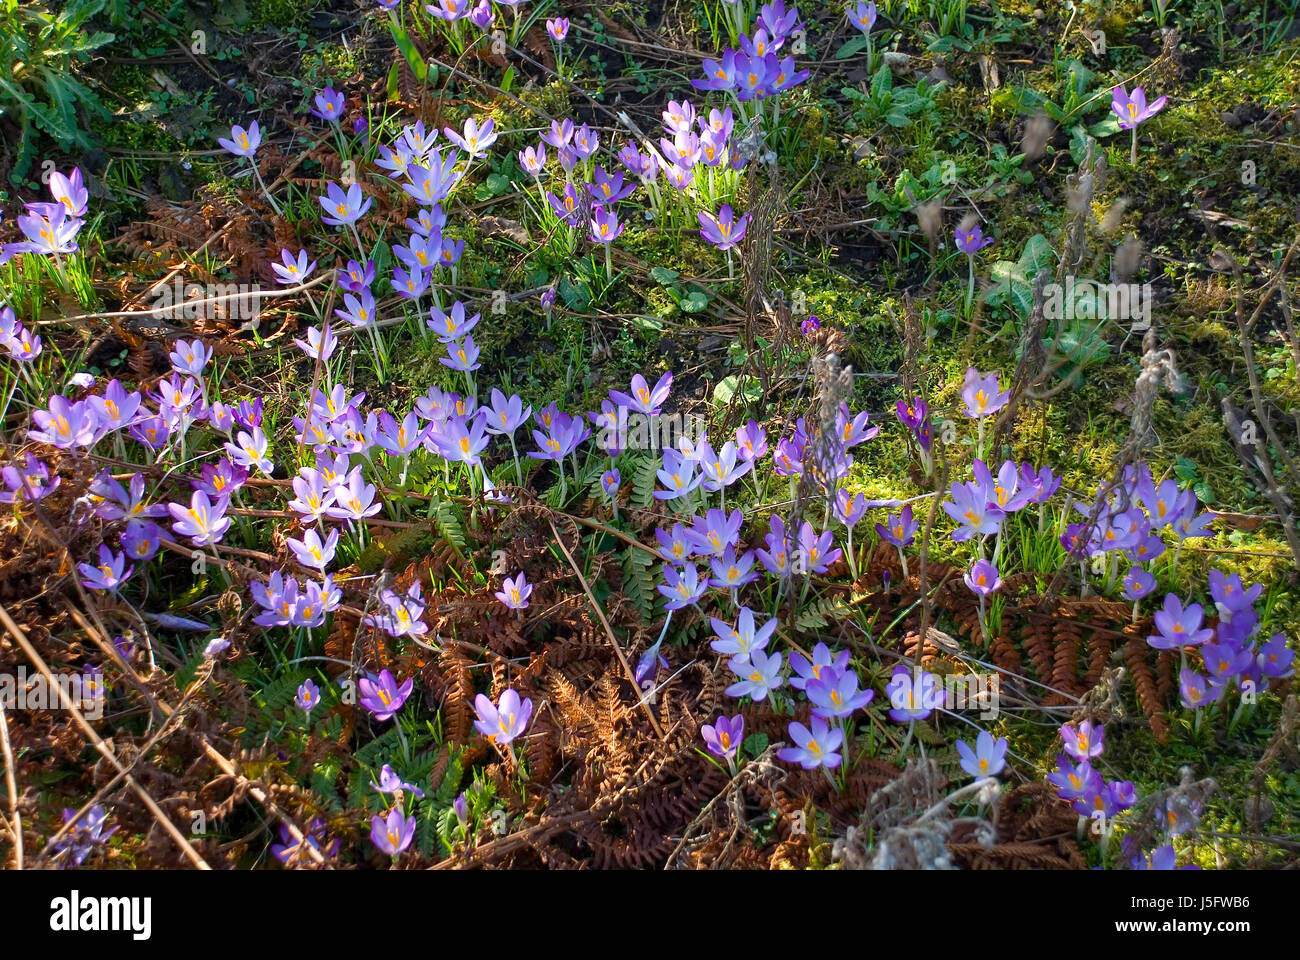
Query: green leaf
575, 296
1078, 144
1012, 281
663, 275
755, 744
394, 82
694, 302
882, 83
851, 47
412, 55
1204, 492
1106, 127
748, 388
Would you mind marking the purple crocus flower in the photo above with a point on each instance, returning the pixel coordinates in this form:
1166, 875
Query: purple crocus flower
312, 552
343, 208
1074, 780
1225, 662
515, 592
983, 578
1161, 858
85, 834
853, 430
291, 851
682, 588
610, 481
558, 28
814, 748
899, 528
723, 467
64, 424
1229, 595
308, 697
1085, 741
382, 696
1041, 485
972, 511
70, 191
711, 534
475, 139
505, 721
849, 508
242, 143
817, 551
969, 241
203, 521
822, 665
1275, 658
674, 546
392, 834
190, 357
644, 399
248, 414
913, 696
462, 357
1179, 626
731, 572
108, 574
453, 325
1138, 583
354, 499
533, 160
30, 482
981, 394
449, 10
723, 231
561, 133
141, 539
1132, 110
356, 277
329, 105
863, 16
988, 759
481, 15
810, 325
744, 638
605, 227
759, 673
506, 415
837, 696
751, 441
1197, 691
390, 782
293, 269
724, 736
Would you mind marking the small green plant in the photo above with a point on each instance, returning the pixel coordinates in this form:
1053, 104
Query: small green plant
37, 87
899, 107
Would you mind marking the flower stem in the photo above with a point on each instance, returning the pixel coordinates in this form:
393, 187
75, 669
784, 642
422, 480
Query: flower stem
262, 183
